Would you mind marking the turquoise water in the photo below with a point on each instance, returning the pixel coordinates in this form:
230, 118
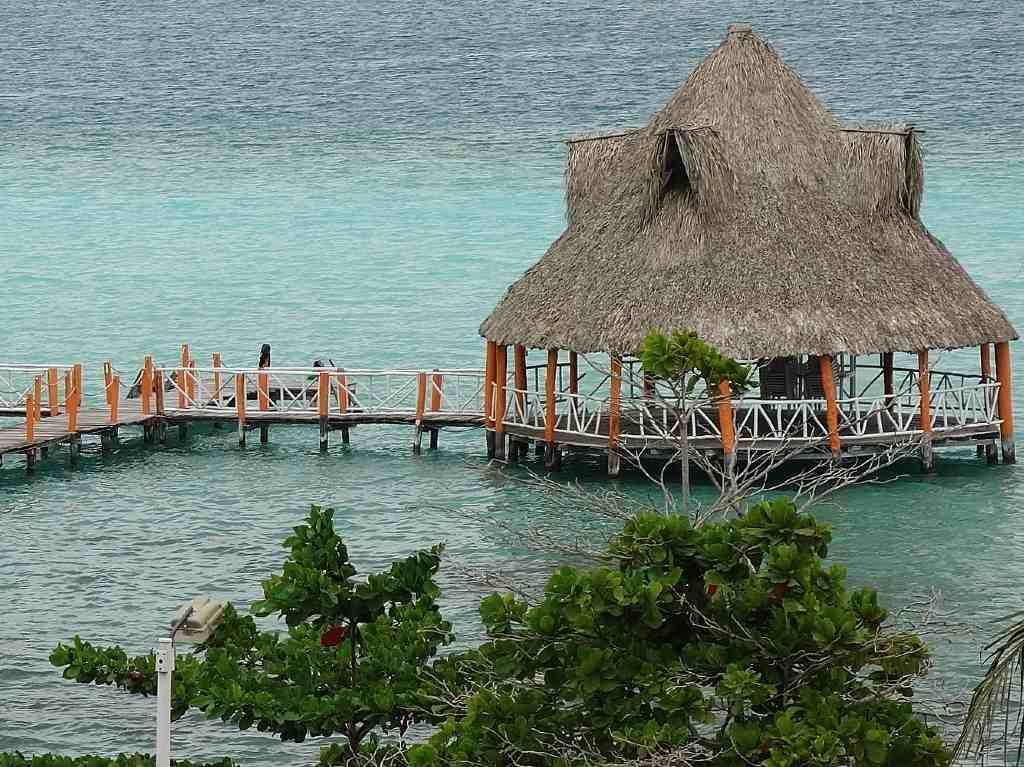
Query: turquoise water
363, 182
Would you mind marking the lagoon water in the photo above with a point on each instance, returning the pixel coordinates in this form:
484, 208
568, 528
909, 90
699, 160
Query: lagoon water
362, 181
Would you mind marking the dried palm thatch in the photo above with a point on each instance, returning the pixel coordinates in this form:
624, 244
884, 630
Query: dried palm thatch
744, 210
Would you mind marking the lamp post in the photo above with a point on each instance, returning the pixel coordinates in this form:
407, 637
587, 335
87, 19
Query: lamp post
195, 622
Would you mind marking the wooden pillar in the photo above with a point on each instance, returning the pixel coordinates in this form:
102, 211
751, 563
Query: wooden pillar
263, 392
986, 362
1005, 401
726, 425
158, 391
887, 376
71, 398
517, 447
828, 386
51, 390
240, 395
574, 373
343, 402
500, 403
37, 394
421, 404
490, 352
552, 452
925, 411
323, 403
115, 398
146, 385
30, 419
614, 406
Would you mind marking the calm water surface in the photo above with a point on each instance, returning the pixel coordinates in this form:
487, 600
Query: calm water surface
363, 181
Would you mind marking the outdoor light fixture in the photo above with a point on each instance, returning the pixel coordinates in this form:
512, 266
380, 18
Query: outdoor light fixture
194, 622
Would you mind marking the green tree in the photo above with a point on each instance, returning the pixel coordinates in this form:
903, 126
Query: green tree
730, 643
349, 663
683, 361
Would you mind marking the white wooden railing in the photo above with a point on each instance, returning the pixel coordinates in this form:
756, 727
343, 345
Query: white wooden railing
18, 382
297, 391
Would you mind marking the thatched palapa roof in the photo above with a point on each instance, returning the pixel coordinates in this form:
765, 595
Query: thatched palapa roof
744, 210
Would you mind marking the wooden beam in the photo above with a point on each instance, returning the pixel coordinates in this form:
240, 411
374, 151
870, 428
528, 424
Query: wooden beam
519, 364
323, 406
986, 362
1005, 401
51, 390
725, 421
924, 388
500, 403
489, 355
828, 386
550, 378
115, 398
887, 374
614, 406
574, 373
240, 395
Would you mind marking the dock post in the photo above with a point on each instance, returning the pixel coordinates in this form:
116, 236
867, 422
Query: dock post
31, 457
433, 438
500, 399
182, 432
421, 397
488, 396
828, 388
106, 442
240, 395
552, 453
344, 435
51, 389
30, 419
436, 403
74, 449
1005, 401
614, 401
323, 401
727, 427
924, 387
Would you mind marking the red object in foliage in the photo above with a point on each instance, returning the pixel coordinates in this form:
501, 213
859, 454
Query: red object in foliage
780, 590
712, 588
333, 636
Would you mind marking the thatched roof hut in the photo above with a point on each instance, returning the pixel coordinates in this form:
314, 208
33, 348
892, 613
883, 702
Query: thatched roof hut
746, 211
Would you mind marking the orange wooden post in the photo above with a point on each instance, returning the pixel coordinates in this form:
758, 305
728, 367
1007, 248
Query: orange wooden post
725, 422
489, 357
78, 384
30, 419
52, 394
574, 373
71, 399
108, 375
240, 395
614, 412
263, 391
828, 386
323, 402
421, 396
146, 385
37, 396
500, 403
115, 397
924, 386
1005, 401
986, 362
183, 377
437, 388
216, 377
342, 391
519, 367
193, 381
158, 391
550, 379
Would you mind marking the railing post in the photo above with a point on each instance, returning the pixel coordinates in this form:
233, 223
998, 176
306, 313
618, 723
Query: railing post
490, 352
323, 401
500, 399
726, 425
887, 377
115, 397
421, 404
146, 385
37, 393
925, 410
158, 391
71, 397
1005, 377
343, 402
240, 395
216, 377
436, 403
614, 406
30, 419
552, 453
52, 393
828, 386
108, 375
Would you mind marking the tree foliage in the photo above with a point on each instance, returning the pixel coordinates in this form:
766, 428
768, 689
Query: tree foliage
684, 355
731, 642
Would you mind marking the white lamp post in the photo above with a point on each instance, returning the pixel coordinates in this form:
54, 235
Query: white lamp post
195, 622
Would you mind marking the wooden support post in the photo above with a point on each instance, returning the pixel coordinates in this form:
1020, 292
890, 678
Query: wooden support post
264, 433
1005, 401
158, 391
79, 387
37, 396
500, 400
182, 432
323, 401
925, 411
193, 382
115, 398
183, 377
31, 456
574, 373
436, 391
108, 375
552, 453
240, 395
516, 446
648, 385
343, 401
828, 386
986, 362
887, 377
106, 442
74, 450
726, 426
421, 404
30, 419
433, 438
217, 364
490, 354
614, 405
52, 393
146, 385
263, 394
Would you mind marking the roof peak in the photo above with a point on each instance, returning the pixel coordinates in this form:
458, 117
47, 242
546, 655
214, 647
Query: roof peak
739, 28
